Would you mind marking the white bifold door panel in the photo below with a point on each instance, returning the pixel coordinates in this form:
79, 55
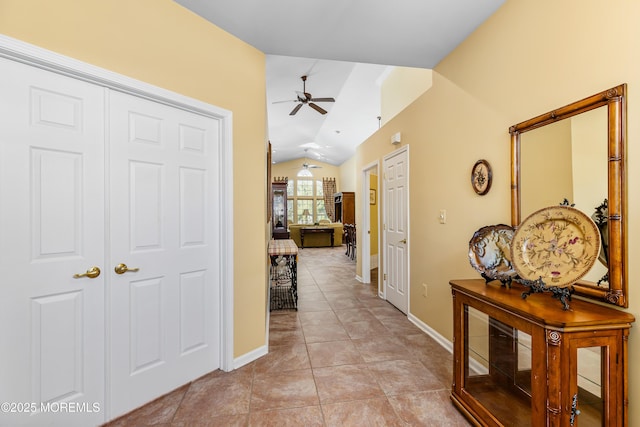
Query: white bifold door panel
52, 207
91, 178
163, 323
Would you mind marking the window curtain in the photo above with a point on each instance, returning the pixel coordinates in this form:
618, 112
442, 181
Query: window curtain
328, 190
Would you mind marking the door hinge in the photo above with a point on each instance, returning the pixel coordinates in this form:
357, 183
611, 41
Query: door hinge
384, 276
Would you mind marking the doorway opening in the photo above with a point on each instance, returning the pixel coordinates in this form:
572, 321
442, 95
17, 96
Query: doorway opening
370, 254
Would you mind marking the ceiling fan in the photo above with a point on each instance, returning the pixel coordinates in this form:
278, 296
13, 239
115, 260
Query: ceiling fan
305, 98
306, 165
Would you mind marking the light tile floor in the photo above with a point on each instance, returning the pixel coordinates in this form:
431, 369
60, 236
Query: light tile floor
345, 358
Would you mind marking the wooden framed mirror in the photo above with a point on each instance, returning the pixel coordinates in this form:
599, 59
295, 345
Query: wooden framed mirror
577, 153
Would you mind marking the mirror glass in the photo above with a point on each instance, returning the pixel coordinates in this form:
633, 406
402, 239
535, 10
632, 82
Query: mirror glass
576, 154
566, 160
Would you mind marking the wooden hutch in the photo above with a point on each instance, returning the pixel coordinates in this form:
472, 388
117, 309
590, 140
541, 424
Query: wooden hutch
527, 362
345, 206
279, 227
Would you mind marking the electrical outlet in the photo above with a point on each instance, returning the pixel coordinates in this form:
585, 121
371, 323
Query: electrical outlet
424, 290
443, 216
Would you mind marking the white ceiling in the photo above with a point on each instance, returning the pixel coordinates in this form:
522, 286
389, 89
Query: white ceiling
338, 44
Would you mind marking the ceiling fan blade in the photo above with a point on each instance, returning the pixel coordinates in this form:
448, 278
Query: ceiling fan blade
314, 167
295, 109
317, 108
289, 100
322, 100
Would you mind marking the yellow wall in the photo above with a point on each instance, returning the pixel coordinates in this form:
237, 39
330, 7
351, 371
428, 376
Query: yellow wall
373, 215
546, 165
401, 87
527, 59
348, 174
160, 42
291, 168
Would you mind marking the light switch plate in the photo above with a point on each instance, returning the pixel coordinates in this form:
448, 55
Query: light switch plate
443, 216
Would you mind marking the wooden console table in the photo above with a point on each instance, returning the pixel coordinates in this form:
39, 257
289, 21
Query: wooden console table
315, 230
528, 362
283, 289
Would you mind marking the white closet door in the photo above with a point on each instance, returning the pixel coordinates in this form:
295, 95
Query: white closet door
396, 203
164, 328
51, 227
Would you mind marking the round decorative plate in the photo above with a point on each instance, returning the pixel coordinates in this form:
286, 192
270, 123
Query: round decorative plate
489, 252
559, 244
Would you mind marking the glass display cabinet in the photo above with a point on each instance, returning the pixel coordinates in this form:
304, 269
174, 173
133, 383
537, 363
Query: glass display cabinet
279, 228
527, 362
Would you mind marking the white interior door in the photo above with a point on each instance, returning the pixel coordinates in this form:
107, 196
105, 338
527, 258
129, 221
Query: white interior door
396, 204
164, 327
51, 227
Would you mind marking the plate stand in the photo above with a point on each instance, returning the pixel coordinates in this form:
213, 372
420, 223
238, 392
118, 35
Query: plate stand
537, 286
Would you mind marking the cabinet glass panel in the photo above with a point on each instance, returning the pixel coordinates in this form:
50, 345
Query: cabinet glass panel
498, 368
589, 400
290, 211
278, 208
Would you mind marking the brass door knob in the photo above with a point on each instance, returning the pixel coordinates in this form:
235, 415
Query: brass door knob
122, 268
91, 273
403, 241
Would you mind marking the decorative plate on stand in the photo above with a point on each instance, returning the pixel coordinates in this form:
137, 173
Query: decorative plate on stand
558, 244
489, 252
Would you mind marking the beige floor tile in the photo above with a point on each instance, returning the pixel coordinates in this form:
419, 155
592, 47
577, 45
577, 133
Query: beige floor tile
362, 329
333, 353
358, 314
161, 410
346, 383
283, 390
324, 332
404, 376
431, 408
383, 347
361, 413
313, 306
281, 337
310, 416
318, 318
283, 358
215, 396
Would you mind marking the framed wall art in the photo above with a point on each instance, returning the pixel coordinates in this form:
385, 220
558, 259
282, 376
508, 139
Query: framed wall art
481, 176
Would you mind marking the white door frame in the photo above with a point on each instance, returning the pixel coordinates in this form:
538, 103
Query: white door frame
384, 221
366, 221
17, 50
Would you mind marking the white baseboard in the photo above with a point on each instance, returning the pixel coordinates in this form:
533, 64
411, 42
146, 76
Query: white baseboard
239, 362
445, 343
474, 365
359, 279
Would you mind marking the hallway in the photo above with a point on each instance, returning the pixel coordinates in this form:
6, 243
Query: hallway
345, 358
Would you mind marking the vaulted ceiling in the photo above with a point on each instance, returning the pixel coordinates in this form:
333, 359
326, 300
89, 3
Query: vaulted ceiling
345, 47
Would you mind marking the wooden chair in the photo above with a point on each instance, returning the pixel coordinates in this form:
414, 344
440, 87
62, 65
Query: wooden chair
350, 238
